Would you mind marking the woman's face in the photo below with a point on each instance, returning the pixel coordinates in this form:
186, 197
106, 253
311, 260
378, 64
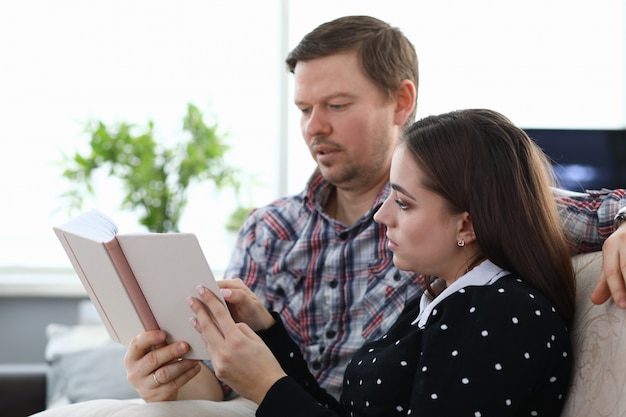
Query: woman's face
421, 230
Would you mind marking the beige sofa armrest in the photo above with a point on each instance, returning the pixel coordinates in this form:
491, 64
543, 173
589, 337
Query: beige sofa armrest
599, 346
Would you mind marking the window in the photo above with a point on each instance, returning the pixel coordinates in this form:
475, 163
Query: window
544, 64
68, 62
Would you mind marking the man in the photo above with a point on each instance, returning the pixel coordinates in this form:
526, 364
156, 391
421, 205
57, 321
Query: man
318, 257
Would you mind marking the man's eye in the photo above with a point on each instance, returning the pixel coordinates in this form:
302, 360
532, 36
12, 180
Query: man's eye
337, 106
305, 111
401, 204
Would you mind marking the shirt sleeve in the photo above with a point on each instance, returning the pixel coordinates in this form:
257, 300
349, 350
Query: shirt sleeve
588, 217
300, 385
242, 263
287, 399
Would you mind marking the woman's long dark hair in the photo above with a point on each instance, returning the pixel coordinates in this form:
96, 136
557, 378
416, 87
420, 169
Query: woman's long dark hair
483, 164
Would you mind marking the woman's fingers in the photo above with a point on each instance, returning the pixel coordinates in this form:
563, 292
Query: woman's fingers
211, 320
240, 358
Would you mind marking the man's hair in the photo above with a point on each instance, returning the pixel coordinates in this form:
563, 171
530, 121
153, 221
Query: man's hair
480, 163
385, 54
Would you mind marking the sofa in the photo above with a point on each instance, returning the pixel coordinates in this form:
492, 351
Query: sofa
598, 385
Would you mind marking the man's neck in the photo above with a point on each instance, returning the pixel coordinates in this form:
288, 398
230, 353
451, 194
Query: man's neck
348, 206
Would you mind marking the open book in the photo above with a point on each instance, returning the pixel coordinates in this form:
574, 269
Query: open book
138, 281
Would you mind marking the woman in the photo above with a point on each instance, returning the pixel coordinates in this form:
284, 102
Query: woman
488, 338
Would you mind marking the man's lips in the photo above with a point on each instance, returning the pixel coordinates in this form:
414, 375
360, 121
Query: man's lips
324, 149
325, 154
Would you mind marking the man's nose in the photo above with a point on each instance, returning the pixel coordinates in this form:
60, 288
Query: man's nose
317, 123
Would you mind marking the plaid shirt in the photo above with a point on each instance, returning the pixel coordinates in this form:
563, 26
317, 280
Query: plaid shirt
336, 287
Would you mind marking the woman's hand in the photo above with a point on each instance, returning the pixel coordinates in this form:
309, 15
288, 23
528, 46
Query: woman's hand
155, 370
244, 305
239, 356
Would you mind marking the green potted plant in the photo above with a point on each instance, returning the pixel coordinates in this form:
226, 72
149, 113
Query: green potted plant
154, 178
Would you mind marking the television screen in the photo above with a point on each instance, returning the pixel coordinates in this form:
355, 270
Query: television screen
585, 159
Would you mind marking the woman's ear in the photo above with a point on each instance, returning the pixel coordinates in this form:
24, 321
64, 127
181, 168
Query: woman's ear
406, 98
466, 228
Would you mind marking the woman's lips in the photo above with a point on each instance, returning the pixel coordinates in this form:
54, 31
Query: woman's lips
391, 244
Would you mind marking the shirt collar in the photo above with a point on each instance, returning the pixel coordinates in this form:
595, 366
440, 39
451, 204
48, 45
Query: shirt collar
484, 274
318, 190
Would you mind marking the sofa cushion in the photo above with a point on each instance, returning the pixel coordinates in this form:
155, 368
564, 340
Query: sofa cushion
239, 407
84, 364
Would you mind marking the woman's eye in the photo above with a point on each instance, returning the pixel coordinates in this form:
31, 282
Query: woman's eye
401, 204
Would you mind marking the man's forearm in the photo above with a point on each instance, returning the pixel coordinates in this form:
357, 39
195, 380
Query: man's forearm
204, 386
589, 217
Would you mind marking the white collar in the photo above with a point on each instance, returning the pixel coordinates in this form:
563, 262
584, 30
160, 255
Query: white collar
484, 274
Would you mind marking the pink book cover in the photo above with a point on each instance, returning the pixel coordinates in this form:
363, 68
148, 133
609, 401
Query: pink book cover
139, 281
130, 284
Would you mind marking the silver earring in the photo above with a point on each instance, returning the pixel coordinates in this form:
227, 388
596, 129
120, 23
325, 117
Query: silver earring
460, 243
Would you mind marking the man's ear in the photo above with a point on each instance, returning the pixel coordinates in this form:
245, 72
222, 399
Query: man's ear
405, 101
466, 228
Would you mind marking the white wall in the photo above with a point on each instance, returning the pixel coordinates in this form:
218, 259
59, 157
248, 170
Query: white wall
555, 63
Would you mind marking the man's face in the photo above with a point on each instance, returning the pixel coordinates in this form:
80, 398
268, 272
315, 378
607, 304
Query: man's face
346, 122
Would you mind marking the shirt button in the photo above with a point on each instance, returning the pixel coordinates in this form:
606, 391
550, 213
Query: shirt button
343, 235
333, 283
316, 365
330, 334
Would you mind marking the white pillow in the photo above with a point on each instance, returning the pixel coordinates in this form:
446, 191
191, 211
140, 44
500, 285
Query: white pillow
84, 364
63, 339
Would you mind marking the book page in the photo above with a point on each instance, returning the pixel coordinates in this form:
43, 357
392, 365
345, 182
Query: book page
92, 224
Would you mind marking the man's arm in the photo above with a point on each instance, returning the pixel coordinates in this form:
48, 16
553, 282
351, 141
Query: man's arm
588, 217
590, 220
242, 264
203, 386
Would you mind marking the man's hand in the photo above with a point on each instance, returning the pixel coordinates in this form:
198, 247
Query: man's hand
244, 305
156, 370
613, 276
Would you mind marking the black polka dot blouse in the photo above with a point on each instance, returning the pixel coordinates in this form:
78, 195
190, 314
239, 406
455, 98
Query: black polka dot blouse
498, 349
